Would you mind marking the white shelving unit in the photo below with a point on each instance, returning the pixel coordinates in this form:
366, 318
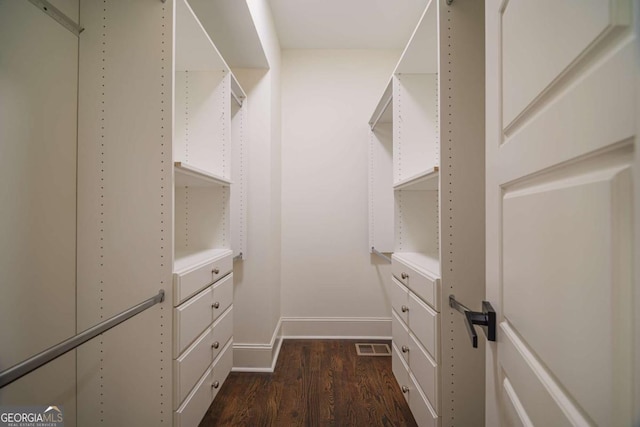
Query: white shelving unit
160, 117
427, 197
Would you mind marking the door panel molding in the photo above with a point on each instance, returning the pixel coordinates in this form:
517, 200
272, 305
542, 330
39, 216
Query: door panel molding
535, 61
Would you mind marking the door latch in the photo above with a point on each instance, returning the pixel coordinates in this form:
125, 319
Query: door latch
486, 319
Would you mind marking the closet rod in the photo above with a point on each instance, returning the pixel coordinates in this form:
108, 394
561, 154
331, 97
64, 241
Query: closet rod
382, 111
380, 254
236, 98
23, 368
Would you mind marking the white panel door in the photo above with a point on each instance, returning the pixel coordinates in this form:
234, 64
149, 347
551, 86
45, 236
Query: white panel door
562, 210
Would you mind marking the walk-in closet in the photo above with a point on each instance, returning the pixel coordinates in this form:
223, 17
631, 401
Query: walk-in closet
319, 212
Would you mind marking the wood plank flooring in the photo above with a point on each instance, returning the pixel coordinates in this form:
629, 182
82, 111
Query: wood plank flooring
315, 383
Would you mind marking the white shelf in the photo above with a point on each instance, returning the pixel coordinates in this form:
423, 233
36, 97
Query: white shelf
421, 54
382, 113
189, 176
187, 260
421, 262
427, 180
194, 49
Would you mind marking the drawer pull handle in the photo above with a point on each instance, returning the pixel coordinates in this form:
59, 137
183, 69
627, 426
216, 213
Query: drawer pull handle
215, 271
404, 276
405, 389
404, 308
405, 349
215, 345
215, 384
215, 305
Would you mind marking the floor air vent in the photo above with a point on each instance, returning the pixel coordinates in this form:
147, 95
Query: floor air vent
373, 349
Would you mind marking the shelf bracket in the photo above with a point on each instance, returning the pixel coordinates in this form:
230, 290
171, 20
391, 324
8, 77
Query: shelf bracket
486, 318
449, 2
238, 257
58, 16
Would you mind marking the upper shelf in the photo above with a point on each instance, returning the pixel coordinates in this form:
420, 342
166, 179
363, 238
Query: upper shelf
384, 110
421, 54
189, 176
194, 49
427, 180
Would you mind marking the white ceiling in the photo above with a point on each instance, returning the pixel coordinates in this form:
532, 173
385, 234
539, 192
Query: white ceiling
345, 24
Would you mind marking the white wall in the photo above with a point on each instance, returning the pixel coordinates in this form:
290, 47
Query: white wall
257, 279
331, 285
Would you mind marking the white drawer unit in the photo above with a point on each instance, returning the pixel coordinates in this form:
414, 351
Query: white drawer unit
203, 350
424, 323
190, 365
222, 295
399, 296
222, 332
420, 281
425, 371
222, 367
191, 318
189, 278
400, 334
190, 413
421, 409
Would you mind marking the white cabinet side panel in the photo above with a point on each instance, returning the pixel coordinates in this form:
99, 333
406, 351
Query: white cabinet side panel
38, 104
239, 177
381, 188
124, 210
462, 207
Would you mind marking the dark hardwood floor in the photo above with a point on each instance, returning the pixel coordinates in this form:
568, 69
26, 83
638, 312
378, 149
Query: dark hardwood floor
315, 383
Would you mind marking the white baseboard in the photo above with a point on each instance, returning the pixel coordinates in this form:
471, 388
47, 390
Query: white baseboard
336, 327
258, 357
249, 357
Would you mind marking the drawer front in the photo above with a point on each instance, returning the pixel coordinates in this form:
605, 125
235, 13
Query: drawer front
222, 295
399, 295
420, 408
425, 371
424, 322
190, 413
400, 271
222, 367
400, 335
425, 287
191, 319
222, 331
190, 366
400, 370
188, 283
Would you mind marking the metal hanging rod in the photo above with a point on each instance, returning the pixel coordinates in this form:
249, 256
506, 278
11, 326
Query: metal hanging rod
238, 257
23, 368
58, 16
485, 318
380, 254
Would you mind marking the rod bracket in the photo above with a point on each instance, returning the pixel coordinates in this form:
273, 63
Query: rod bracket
486, 318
